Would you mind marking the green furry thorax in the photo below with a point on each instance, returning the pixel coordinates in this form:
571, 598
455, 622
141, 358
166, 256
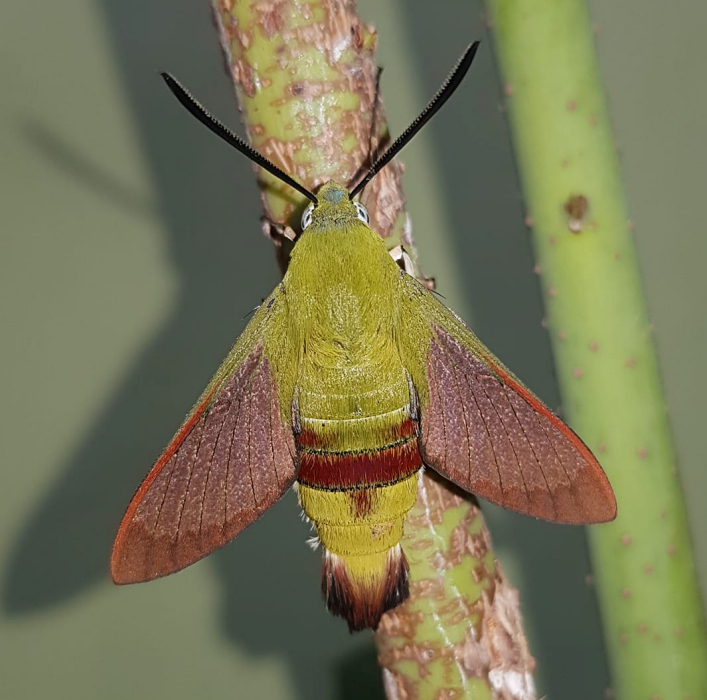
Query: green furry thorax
345, 328
341, 294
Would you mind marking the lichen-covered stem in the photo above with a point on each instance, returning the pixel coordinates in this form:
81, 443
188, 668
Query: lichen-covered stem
460, 634
601, 338
305, 77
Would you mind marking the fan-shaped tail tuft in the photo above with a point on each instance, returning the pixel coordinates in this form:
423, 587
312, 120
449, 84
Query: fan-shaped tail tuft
360, 588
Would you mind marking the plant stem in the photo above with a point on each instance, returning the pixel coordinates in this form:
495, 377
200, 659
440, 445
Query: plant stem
305, 77
606, 360
460, 634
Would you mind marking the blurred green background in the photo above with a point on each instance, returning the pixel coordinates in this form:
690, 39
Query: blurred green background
131, 253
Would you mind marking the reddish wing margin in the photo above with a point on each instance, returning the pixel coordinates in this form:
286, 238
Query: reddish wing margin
232, 459
491, 436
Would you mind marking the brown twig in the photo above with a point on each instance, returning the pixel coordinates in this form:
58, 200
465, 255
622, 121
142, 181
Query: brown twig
305, 76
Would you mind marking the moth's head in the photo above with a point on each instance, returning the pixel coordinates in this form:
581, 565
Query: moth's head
334, 206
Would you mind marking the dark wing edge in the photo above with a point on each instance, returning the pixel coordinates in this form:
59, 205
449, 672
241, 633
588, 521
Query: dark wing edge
233, 458
484, 431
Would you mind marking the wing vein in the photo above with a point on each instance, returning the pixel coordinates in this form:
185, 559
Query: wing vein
456, 371
532, 449
508, 437
186, 487
272, 435
554, 449
248, 432
208, 474
228, 462
488, 433
174, 457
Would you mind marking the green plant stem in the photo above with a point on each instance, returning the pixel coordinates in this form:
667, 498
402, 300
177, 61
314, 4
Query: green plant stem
601, 337
305, 77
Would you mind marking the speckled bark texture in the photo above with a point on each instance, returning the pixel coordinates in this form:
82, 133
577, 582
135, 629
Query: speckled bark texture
460, 633
305, 77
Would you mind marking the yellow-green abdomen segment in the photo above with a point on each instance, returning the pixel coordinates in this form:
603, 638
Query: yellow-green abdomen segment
365, 572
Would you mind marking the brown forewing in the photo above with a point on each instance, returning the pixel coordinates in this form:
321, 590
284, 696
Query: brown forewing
230, 462
489, 435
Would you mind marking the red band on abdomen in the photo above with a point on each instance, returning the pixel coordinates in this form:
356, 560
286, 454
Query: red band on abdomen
359, 469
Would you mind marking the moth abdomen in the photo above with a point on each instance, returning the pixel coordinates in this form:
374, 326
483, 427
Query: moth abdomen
358, 498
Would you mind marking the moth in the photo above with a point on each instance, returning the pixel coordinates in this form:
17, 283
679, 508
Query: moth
350, 379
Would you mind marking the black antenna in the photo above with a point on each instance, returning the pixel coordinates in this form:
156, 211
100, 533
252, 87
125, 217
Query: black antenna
210, 122
445, 92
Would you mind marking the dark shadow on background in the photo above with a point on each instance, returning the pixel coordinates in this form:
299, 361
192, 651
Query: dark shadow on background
486, 215
86, 172
359, 676
203, 191
65, 546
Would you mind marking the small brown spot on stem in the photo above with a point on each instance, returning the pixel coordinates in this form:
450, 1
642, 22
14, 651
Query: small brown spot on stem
537, 269
571, 105
543, 322
551, 292
553, 240
623, 638
642, 628
508, 89
589, 580
564, 163
642, 452
602, 447
271, 19
679, 632
648, 569
528, 221
576, 208
593, 345
626, 540
625, 593
244, 76
593, 120
617, 256
577, 372
631, 362
672, 549
562, 335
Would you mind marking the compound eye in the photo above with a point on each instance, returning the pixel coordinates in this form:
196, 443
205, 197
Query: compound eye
307, 216
361, 212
